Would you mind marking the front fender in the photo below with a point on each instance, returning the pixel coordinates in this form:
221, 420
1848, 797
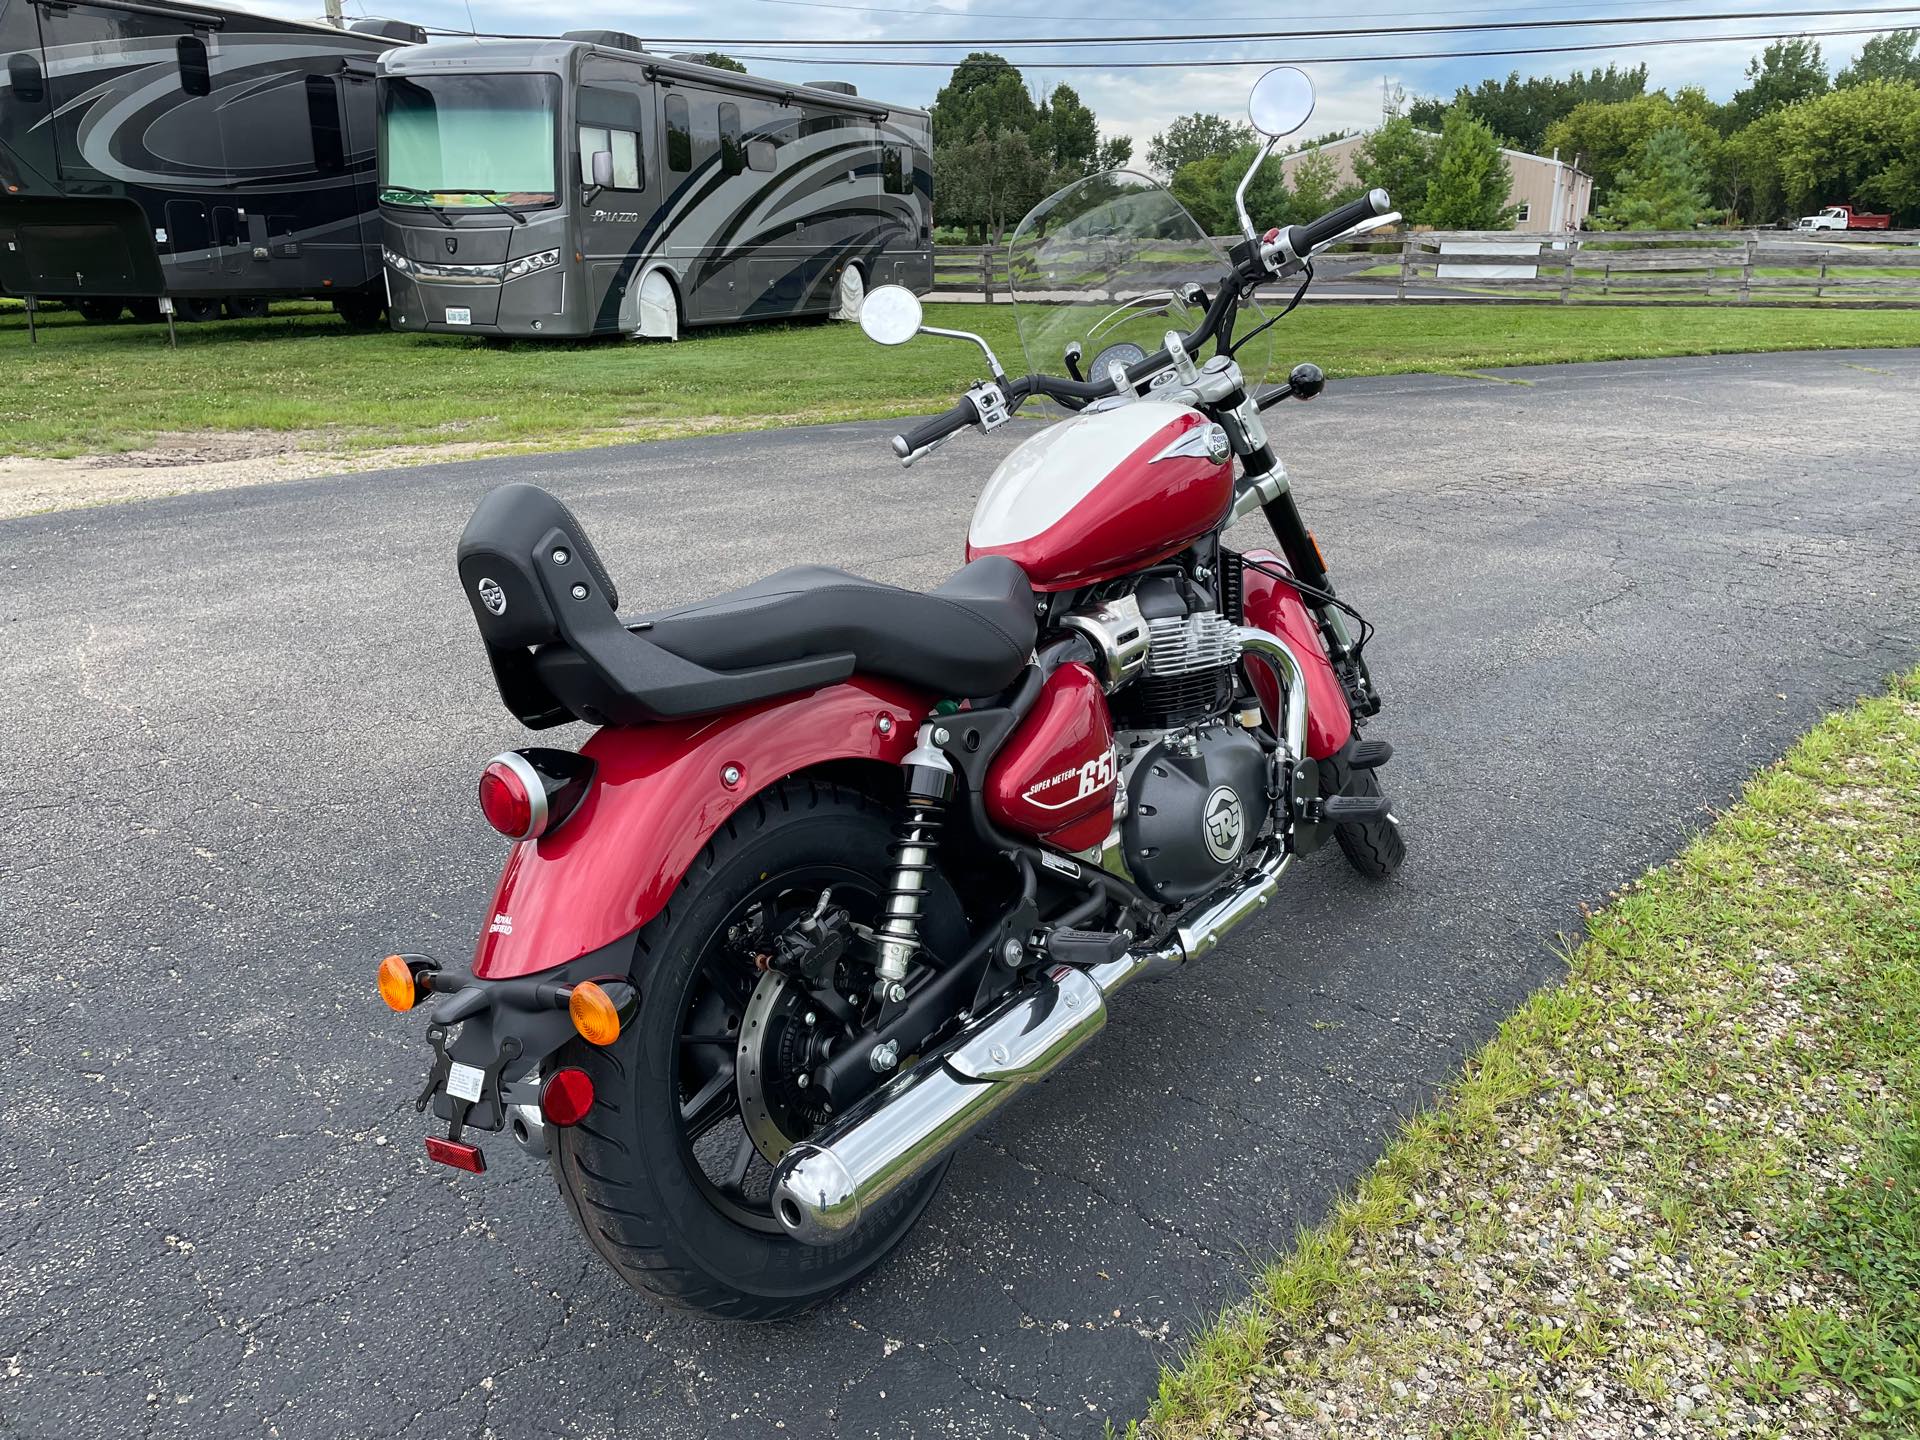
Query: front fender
1276, 607
659, 792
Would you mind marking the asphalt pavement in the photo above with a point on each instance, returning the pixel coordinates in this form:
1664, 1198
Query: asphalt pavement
242, 731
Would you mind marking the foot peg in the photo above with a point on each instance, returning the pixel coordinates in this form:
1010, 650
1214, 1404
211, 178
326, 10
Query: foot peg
1369, 754
1354, 809
1068, 946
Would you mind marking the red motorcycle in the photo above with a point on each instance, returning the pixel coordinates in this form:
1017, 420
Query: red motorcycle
844, 867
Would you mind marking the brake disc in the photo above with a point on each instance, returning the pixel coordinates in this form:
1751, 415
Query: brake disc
776, 1049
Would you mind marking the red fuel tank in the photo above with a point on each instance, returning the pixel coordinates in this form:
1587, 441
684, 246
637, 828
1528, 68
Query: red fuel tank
1054, 778
1105, 493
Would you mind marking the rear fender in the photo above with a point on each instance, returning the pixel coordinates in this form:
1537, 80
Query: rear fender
659, 793
1276, 607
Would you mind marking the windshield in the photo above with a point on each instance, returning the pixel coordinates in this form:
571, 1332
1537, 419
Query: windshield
468, 140
1104, 264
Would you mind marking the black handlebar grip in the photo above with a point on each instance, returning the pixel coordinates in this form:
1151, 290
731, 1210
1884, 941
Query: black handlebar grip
1338, 222
937, 428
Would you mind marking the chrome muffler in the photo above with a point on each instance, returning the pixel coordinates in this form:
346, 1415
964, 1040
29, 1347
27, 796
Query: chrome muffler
824, 1186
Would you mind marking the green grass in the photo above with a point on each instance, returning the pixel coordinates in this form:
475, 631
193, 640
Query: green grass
92, 389
1727, 1083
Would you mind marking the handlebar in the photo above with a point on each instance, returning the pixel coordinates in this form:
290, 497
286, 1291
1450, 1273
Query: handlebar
1296, 242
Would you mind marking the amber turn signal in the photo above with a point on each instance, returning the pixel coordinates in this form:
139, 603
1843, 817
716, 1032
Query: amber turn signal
396, 984
594, 1014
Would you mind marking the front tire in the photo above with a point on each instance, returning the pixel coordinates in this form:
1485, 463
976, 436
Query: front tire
1375, 848
685, 1213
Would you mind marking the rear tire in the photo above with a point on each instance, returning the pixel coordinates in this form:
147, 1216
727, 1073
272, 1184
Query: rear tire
1375, 848
250, 307
100, 312
196, 309
646, 1201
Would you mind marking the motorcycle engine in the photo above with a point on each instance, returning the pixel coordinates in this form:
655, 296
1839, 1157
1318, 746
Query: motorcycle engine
1198, 784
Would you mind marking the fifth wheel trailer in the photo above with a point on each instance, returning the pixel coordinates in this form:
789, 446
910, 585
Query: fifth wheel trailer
215, 157
579, 186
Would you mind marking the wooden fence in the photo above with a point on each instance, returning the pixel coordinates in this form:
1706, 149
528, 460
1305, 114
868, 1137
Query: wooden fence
1851, 269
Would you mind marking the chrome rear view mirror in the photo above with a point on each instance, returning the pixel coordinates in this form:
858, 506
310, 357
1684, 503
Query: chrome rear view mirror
1281, 102
891, 315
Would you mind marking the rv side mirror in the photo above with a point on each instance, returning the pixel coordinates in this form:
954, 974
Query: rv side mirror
603, 169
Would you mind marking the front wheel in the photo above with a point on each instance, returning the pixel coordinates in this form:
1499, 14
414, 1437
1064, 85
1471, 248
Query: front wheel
670, 1175
1375, 848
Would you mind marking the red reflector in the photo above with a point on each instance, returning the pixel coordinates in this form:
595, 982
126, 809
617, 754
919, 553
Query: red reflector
506, 800
566, 1097
457, 1154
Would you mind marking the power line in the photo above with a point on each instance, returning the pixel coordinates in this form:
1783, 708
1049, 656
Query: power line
1209, 20
1244, 61
1346, 32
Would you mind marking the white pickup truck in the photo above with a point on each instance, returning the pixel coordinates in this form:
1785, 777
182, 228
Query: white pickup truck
1843, 217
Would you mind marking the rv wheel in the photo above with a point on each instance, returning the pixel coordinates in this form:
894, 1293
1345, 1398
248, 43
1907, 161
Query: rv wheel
195, 309
144, 312
362, 312
101, 312
250, 307
853, 293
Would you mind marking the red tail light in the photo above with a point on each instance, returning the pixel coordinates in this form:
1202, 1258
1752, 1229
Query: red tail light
456, 1153
566, 1097
524, 794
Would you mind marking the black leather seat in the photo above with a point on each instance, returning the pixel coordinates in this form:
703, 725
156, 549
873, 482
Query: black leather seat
971, 636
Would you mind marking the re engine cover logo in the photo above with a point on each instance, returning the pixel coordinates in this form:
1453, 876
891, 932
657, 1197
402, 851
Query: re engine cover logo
1225, 824
492, 596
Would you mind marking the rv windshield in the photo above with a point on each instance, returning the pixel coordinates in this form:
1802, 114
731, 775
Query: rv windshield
471, 140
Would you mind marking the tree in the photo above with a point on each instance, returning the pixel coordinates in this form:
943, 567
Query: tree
1520, 111
1399, 159
1316, 185
1116, 153
1665, 188
1071, 134
721, 62
989, 181
1605, 138
1859, 146
1206, 188
1785, 73
984, 95
1884, 57
1195, 137
1470, 182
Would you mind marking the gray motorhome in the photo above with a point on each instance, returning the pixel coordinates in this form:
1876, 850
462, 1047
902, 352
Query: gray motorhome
213, 156
580, 186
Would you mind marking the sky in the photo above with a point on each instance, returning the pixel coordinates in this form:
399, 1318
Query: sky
1140, 103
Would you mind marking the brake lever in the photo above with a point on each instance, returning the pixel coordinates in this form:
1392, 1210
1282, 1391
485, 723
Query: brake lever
907, 462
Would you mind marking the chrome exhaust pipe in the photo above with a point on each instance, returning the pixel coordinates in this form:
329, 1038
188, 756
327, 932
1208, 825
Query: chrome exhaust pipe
823, 1187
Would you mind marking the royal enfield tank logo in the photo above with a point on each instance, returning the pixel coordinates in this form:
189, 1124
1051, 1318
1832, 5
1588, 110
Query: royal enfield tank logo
1217, 445
492, 596
1073, 785
1226, 827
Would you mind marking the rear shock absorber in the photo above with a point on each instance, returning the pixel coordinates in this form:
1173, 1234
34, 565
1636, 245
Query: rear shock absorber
930, 785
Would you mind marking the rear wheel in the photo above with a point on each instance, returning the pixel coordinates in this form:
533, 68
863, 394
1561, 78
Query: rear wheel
101, 312
670, 1175
248, 307
1374, 847
196, 309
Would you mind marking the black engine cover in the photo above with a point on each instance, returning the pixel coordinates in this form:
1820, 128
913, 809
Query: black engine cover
1191, 818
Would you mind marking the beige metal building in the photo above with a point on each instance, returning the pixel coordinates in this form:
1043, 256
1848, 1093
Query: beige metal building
1552, 195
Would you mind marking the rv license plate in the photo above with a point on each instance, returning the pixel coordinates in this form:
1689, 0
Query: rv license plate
465, 1082
459, 317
